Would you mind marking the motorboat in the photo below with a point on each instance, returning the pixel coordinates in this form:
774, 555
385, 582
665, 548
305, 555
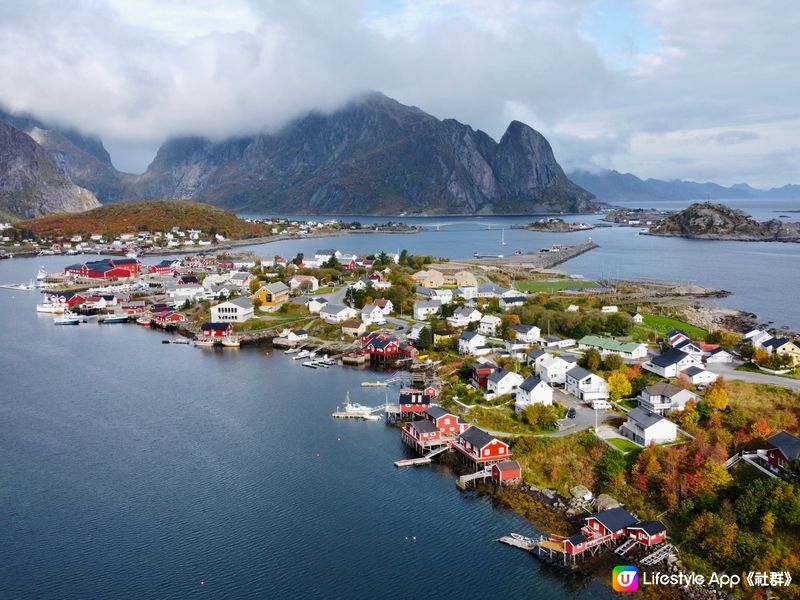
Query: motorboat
123, 318
51, 308
231, 342
145, 321
204, 343
67, 319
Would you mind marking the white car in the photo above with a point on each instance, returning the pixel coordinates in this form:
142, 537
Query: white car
601, 404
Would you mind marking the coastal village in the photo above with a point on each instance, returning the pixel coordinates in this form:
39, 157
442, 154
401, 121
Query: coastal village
504, 375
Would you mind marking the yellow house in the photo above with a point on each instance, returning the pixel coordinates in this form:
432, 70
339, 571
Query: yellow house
429, 279
783, 346
272, 296
465, 279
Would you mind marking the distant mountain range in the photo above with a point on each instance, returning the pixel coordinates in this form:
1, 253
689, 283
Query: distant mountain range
612, 186
373, 156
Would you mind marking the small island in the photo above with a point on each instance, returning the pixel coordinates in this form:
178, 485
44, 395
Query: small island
556, 225
710, 221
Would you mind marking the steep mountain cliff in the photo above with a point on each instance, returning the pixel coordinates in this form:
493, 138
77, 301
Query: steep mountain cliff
82, 158
373, 156
31, 184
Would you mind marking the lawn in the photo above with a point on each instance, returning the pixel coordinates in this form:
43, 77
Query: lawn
662, 325
754, 369
623, 445
555, 285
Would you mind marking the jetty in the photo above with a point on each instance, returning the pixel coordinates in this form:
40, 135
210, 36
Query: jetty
465, 480
422, 460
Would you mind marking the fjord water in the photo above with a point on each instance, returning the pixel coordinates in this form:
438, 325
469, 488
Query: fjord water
134, 469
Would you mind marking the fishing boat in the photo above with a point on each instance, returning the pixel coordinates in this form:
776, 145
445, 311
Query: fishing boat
145, 321
180, 341
204, 343
67, 319
109, 319
231, 342
50, 307
302, 354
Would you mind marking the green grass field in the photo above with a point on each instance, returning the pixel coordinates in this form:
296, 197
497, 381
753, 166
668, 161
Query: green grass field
555, 285
662, 325
623, 445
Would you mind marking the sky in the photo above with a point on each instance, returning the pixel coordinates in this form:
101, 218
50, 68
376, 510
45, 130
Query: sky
703, 90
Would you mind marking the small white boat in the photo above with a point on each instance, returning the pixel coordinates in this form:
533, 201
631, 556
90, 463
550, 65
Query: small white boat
312, 354
204, 343
302, 354
374, 384
180, 341
109, 319
231, 342
292, 351
50, 307
310, 365
67, 319
522, 538
143, 321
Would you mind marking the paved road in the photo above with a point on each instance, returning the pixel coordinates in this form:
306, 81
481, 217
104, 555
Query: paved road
584, 417
728, 371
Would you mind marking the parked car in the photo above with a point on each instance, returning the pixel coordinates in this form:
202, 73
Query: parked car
572, 413
601, 404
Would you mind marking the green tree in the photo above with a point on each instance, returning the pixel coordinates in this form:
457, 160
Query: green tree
613, 362
592, 359
298, 259
425, 339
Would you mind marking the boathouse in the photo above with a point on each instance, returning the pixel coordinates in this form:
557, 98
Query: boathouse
479, 449
507, 472
104, 269
415, 401
216, 330
648, 533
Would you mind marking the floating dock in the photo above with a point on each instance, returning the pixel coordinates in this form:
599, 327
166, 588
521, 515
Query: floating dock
340, 414
412, 462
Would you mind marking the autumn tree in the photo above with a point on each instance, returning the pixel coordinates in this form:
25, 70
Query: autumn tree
716, 397
619, 386
592, 359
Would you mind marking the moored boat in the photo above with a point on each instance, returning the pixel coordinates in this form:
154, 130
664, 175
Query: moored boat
231, 342
145, 321
67, 319
50, 308
123, 318
204, 343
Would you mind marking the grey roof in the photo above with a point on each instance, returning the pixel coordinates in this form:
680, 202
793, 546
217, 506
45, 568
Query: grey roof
534, 354
649, 527
669, 358
522, 328
615, 519
477, 437
552, 338
437, 412
512, 299
507, 465
489, 288
643, 417
577, 539
423, 291
333, 309
719, 350
427, 304
692, 371
663, 388
498, 375
530, 383
787, 443
578, 373
242, 302
277, 287
424, 426
685, 343
467, 335
464, 311
775, 342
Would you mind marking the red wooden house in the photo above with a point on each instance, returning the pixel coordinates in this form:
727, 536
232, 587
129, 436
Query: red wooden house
608, 524
648, 533
448, 424
783, 448
479, 449
413, 401
481, 372
163, 268
104, 269
506, 472
216, 330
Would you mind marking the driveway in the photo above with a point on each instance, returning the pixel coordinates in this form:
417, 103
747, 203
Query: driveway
728, 371
584, 418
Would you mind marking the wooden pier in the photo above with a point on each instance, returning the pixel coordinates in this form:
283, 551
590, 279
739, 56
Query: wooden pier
463, 482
